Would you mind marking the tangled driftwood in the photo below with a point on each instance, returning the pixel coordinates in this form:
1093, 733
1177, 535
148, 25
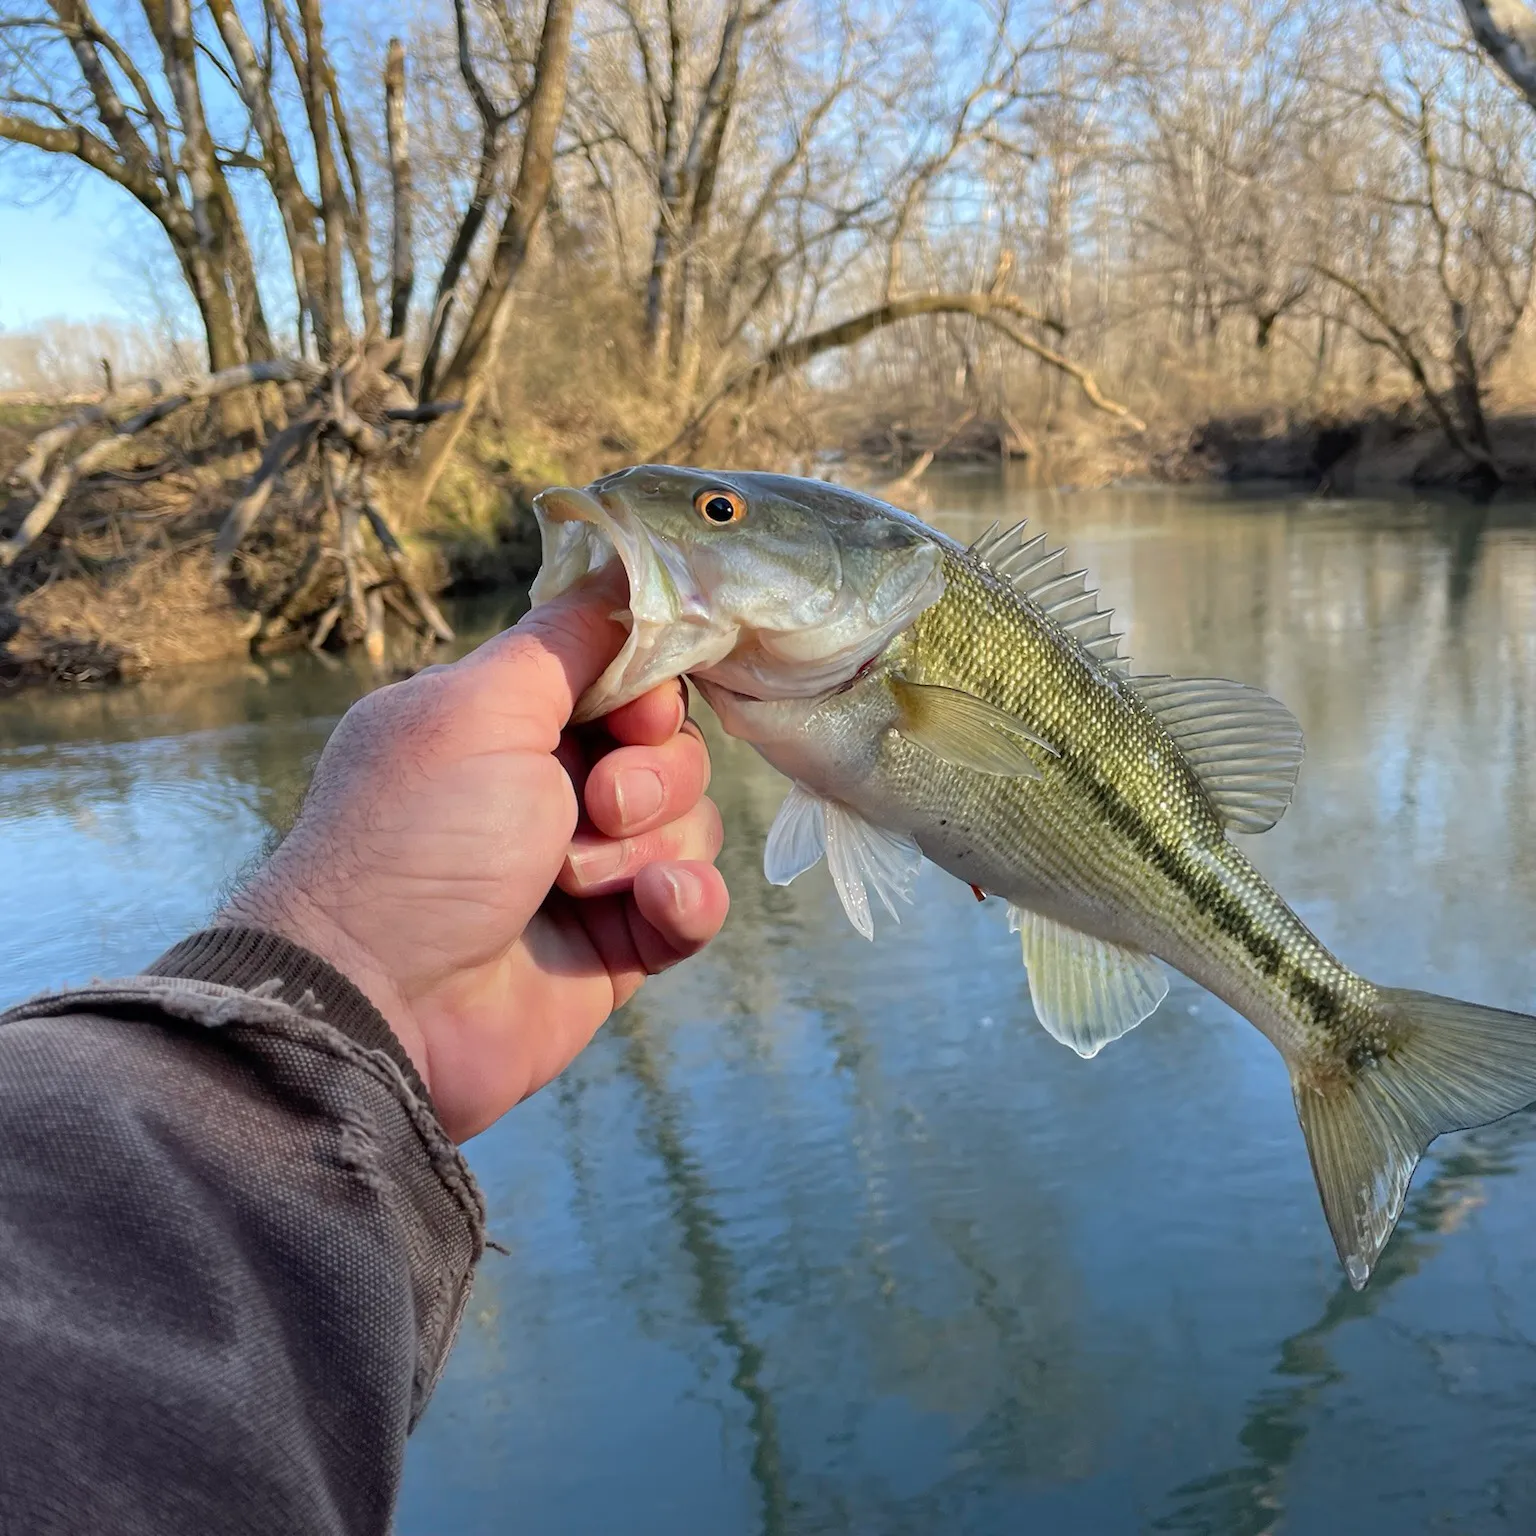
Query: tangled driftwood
352, 420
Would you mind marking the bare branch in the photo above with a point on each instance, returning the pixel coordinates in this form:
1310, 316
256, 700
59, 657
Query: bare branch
85, 147
794, 354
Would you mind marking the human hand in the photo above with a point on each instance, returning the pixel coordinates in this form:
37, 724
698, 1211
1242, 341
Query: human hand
496, 884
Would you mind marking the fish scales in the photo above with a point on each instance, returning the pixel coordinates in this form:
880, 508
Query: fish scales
1118, 816
926, 703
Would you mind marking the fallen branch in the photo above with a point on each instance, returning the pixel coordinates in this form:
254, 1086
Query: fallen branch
153, 401
905, 481
400, 564
996, 309
1085, 380
356, 414
282, 451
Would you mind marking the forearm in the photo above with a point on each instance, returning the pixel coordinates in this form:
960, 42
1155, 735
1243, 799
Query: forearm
235, 1244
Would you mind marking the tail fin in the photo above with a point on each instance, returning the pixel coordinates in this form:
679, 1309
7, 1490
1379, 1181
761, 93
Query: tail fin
1450, 1065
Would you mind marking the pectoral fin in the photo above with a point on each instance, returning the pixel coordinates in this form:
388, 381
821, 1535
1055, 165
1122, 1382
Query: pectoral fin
966, 731
1086, 992
861, 857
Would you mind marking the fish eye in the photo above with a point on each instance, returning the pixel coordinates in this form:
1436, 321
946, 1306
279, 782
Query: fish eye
717, 505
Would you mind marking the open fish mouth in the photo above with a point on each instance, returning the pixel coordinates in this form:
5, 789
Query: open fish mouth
672, 627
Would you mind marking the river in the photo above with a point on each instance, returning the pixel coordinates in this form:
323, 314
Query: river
829, 1236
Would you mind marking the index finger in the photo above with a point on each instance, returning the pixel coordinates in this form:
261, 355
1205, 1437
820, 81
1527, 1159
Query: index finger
651, 720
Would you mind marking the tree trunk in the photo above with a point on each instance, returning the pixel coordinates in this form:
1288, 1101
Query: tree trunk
1467, 391
658, 288
402, 265
466, 376
333, 210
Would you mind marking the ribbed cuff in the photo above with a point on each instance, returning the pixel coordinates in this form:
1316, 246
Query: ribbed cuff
246, 958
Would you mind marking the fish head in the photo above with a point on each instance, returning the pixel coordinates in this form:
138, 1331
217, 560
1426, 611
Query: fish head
764, 585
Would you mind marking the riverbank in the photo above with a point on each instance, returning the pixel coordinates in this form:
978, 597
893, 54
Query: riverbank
121, 587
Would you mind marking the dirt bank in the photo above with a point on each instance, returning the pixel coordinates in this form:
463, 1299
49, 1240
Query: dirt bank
1390, 448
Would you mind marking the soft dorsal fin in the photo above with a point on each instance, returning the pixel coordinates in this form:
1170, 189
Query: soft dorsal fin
1086, 992
1245, 747
1037, 569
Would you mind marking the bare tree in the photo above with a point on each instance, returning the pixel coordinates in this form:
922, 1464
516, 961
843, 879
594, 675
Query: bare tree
1436, 230
1021, 218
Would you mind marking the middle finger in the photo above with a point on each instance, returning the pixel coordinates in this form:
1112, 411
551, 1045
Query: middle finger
632, 790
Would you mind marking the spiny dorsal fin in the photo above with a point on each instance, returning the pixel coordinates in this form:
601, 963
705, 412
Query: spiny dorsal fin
1244, 746
1086, 992
1036, 569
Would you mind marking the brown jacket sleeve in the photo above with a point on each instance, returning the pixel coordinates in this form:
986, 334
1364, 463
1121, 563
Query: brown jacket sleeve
235, 1246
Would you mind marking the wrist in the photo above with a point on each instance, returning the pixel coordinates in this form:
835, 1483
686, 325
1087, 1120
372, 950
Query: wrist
293, 916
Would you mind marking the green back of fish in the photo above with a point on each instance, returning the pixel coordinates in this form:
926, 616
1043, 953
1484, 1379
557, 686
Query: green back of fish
1118, 820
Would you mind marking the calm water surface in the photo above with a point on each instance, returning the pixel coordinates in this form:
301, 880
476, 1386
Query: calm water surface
824, 1236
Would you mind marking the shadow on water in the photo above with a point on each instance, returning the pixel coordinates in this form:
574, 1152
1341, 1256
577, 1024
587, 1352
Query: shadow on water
714, 1271
1249, 1499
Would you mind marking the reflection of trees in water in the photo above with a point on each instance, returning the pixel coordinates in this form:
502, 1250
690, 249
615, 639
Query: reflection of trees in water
202, 738
1249, 1499
716, 1282
222, 727
918, 1256
972, 1310
760, 936
1462, 529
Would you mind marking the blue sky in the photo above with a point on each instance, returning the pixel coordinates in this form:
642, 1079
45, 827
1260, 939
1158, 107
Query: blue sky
60, 254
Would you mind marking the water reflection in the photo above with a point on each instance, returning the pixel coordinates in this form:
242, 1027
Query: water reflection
714, 1272
828, 1236
1249, 1499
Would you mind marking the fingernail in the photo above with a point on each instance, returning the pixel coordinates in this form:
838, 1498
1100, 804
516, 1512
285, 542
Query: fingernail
687, 888
639, 793
593, 862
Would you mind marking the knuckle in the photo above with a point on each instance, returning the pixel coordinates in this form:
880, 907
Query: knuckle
714, 827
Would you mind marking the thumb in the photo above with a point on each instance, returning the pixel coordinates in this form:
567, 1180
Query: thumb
553, 654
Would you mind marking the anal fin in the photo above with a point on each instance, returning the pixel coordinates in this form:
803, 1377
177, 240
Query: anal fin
1086, 992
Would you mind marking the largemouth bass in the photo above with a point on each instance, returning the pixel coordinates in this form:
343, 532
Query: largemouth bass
970, 706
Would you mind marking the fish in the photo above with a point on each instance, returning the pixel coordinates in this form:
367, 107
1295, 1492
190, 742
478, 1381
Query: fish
970, 706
